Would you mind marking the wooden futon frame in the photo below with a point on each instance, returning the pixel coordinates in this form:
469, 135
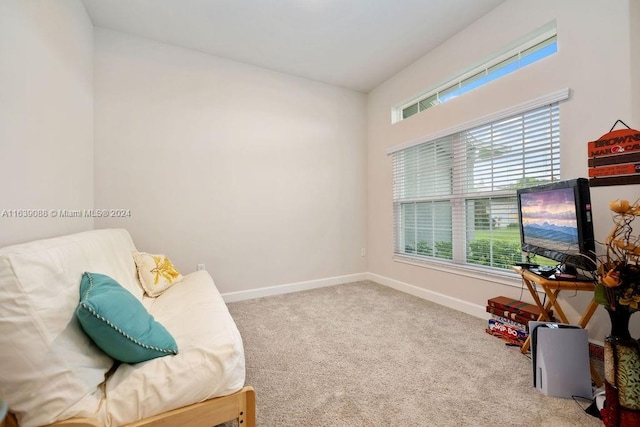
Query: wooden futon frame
240, 406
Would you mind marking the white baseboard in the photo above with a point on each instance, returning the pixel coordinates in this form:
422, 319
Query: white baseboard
438, 298
292, 287
445, 300
435, 297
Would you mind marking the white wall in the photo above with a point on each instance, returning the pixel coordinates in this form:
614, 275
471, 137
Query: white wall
46, 116
257, 174
594, 63
634, 19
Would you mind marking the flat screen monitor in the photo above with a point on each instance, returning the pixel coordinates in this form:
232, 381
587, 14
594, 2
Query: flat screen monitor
556, 222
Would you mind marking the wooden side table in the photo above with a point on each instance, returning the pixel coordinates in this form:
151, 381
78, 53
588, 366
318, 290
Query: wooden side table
552, 288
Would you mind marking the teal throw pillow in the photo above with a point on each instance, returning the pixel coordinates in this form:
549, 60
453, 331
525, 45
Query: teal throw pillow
118, 323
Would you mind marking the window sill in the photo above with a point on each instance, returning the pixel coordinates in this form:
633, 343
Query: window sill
509, 278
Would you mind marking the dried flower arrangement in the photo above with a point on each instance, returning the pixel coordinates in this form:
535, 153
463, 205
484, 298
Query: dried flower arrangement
618, 287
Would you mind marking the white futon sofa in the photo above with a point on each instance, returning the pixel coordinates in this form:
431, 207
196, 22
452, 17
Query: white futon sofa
52, 372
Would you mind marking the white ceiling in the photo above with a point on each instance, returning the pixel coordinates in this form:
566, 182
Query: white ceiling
356, 44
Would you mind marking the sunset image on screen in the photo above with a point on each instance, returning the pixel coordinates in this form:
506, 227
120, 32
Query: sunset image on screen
549, 218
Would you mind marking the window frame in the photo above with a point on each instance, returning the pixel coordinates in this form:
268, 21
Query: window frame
459, 261
486, 71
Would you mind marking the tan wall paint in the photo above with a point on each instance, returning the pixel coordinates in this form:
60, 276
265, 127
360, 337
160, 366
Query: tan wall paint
259, 175
46, 116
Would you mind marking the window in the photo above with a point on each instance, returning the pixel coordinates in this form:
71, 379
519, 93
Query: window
534, 47
454, 196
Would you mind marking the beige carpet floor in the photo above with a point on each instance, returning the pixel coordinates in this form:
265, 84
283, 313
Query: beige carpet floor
362, 354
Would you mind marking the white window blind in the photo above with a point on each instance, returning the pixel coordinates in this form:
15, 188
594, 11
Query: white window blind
455, 196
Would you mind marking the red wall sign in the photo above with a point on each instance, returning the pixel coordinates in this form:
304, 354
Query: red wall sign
614, 158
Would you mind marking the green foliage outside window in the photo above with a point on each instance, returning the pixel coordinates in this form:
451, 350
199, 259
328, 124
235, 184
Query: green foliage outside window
443, 250
505, 253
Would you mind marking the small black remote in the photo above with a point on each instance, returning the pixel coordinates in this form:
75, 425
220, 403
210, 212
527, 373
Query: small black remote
527, 265
545, 271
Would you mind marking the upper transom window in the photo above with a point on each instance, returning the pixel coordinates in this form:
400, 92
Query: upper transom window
532, 48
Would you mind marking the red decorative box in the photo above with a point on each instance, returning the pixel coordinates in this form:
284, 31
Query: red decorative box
514, 317
529, 311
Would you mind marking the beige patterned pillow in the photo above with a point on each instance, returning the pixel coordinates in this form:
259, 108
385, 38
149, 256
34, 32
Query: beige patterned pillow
156, 273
